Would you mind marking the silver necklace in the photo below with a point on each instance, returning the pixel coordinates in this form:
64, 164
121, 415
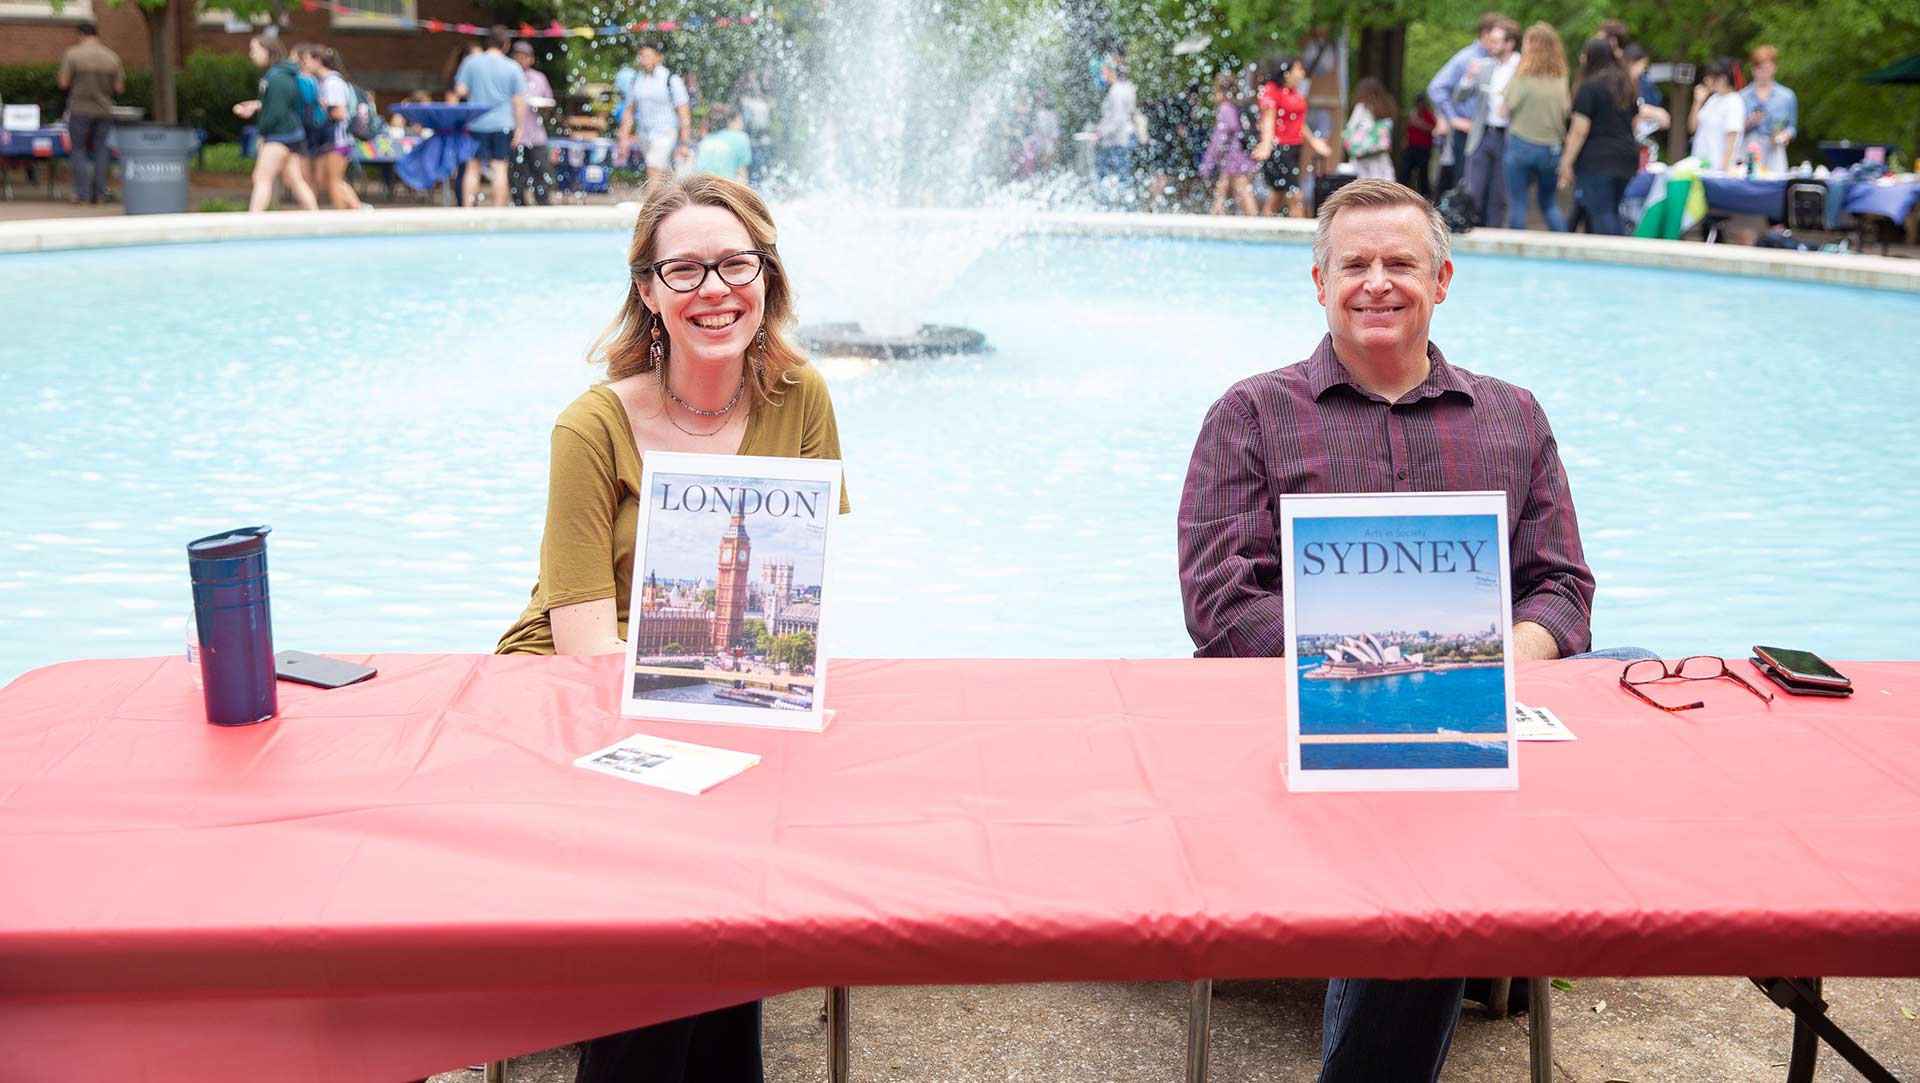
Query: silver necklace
692, 409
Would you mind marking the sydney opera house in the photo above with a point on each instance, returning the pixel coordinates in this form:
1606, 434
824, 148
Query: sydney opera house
1364, 656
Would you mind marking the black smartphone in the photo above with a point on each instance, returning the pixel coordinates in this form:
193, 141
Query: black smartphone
1802, 667
318, 669
1797, 688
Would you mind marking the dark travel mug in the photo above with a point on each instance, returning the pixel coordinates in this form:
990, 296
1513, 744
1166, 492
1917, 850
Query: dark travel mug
236, 631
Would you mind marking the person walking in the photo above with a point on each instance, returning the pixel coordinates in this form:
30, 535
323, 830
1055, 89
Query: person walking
488, 78
1537, 104
1416, 161
529, 179
276, 116
1368, 135
92, 76
1114, 138
1773, 111
725, 151
1283, 133
1226, 154
330, 148
659, 111
1600, 153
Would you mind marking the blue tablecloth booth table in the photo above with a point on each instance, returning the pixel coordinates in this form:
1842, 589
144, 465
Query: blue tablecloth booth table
29, 146
580, 165
1889, 198
442, 155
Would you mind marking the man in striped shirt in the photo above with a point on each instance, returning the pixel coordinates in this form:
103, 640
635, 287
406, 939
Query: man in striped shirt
1377, 408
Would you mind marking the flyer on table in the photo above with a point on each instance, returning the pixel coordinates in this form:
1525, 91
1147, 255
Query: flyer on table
1399, 630
670, 765
730, 592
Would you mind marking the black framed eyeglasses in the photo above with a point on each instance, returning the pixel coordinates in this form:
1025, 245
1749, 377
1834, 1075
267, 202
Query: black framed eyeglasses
683, 274
1699, 667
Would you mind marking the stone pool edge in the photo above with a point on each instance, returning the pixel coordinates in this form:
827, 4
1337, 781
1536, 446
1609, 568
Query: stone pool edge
68, 234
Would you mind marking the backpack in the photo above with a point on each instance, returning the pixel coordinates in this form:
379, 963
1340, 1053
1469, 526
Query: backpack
1249, 126
313, 115
363, 116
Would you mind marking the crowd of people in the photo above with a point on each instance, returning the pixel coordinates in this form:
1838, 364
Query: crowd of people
1505, 125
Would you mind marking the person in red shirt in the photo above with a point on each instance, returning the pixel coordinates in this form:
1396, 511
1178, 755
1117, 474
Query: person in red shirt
1283, 128
1414, 164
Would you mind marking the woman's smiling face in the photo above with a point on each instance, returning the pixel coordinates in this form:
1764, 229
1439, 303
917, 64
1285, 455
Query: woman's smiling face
714, 323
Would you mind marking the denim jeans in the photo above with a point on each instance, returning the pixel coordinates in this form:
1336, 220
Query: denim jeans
721, 1046
1378, 1031
1113, 171
89, 157
1539, 163
1486, 175
1600, 194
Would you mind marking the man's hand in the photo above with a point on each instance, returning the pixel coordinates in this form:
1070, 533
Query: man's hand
1462, 124
1262, 151
1531, 642
1699, 93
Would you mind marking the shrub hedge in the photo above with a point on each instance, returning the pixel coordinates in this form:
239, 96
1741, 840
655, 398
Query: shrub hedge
207, 87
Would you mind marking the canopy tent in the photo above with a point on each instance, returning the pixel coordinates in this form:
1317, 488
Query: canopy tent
1900, 71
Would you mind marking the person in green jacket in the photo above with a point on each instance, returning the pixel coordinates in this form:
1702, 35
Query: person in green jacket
282, 136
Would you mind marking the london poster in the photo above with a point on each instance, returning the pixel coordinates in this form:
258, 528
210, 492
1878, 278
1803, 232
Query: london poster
1399, 642
727, 617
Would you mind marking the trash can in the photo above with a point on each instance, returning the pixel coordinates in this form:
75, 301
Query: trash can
153, 167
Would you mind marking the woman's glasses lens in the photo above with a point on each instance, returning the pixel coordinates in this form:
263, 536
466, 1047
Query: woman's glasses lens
684, 276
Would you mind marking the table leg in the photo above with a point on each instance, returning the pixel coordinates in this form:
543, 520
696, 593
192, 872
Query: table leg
496, 1071
1801, 996
1499, 997
1540, 1029
839, 1051
1199, 1016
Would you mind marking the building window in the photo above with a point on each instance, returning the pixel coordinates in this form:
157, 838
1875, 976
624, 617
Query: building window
392, 10
228, 23
73, 11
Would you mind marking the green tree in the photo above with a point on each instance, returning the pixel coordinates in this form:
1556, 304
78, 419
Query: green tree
673, 648
795, 650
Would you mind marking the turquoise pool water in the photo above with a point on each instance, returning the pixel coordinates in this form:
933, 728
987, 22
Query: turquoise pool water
1741, 451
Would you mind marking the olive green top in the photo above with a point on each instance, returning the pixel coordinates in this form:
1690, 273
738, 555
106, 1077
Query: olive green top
1539, 104
593, 494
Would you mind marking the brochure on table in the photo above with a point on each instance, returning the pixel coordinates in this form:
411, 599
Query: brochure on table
1399, 627
670, 765
730, 594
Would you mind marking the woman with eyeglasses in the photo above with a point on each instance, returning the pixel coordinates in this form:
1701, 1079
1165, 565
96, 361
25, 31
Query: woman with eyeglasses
699, 359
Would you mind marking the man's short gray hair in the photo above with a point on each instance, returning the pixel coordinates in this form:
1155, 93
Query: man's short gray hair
1378, 193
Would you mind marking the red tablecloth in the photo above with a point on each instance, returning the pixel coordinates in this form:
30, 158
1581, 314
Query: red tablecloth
404, 875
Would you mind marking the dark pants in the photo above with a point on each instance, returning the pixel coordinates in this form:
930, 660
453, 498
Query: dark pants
720, 1046
1486, 176
1450, 174
90, 156
1414, 164
1600, 194
529, 179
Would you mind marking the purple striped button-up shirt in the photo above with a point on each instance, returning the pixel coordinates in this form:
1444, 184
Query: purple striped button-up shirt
1309, 428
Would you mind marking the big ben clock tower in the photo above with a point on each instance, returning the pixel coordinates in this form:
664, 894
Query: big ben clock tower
730, 599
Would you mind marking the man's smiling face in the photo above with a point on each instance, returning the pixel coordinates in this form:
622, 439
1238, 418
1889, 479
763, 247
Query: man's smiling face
1379, 285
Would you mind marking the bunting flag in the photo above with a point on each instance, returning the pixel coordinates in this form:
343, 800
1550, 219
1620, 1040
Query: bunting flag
528, 30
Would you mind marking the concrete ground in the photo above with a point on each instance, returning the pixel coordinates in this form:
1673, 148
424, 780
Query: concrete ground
1697, 1030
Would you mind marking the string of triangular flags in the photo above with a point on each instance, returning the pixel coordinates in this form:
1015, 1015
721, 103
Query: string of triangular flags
528, 30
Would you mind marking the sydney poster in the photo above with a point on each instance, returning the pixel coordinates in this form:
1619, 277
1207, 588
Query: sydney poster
1399, 642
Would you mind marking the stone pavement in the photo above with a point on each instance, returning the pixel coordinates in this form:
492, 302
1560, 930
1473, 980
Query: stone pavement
1696, 1030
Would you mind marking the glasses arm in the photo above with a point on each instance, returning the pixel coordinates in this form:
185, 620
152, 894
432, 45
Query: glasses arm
1650, 700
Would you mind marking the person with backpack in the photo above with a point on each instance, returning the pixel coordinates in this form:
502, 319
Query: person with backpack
1226, 152
276, 115
330, 146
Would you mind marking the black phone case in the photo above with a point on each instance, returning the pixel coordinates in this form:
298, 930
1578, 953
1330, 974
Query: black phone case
318, 670
1795, 688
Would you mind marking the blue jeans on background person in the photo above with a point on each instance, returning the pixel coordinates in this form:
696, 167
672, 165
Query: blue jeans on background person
90, 157
1600, 194
1113, 174
1539, 163
1385, 1031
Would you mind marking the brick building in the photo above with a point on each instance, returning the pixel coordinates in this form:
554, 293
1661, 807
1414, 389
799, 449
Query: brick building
383, 57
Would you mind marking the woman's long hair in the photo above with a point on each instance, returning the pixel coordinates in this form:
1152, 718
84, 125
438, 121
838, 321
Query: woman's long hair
622, 347
1598, 61
1372, 93
1541, 54
271, 44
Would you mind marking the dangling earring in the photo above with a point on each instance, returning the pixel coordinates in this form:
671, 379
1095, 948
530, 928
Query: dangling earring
655, 351
760, 353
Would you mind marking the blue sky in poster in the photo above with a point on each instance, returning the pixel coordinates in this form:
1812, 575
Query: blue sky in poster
1383, 573
685, 544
